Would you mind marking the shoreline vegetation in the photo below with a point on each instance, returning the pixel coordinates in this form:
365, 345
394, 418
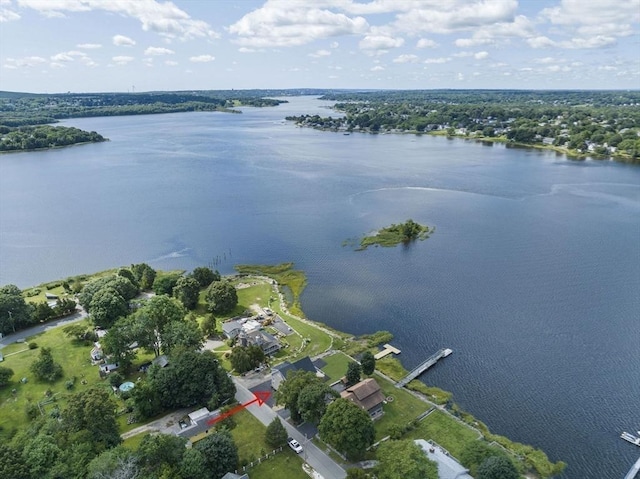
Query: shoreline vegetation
417, 411
579, 124
395, 234
25, 119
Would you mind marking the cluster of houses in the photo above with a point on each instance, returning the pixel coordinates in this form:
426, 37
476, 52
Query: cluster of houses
248, 331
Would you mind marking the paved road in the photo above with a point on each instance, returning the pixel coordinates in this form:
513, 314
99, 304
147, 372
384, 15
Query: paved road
26, 333
316, 458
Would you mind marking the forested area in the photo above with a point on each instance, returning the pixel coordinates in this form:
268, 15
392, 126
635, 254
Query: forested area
44, 136
20, 113
595, 123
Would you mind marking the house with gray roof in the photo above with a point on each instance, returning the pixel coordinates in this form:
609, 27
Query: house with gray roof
279, 372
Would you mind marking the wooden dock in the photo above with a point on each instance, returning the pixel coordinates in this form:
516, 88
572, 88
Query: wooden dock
386, 349
633, 471
417, 371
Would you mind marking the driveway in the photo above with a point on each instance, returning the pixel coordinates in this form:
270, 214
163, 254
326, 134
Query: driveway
314, 456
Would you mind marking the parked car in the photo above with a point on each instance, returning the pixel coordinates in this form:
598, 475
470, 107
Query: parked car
295, 445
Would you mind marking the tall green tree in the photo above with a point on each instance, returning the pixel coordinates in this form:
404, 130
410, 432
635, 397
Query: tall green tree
475, 453
15, 313
92, 410
246, 358
45, 368
312, 401
497, 467
106, 306
347, 427
368, 363
12, 464
353, 373
193, 465
161, 452
164, 283
186, 290
5, 376
275, 435
208, 325
222, 297
118, 340
117, 463
220, 454
145, 275
151, 321
289, 391
205, 276
404, 460
182, 334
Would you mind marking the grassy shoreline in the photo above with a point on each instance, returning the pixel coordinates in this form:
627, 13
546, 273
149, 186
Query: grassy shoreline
451, 427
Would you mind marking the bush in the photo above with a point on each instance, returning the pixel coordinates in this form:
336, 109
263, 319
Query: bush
33, 345
31, 410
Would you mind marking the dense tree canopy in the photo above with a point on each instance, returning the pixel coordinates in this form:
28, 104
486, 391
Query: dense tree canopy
353, 373
220, 454
45, 368
404, 460
246, 358
5, 376
191, 379
368, 363
276, 435
221, 297
289, 391
475, 453
497, 467
144, 274
205, 276
347, 427
187, 290
15, 313
312, 401
164, 283
152, 321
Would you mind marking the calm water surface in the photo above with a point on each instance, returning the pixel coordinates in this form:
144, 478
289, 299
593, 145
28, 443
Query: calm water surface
532, 276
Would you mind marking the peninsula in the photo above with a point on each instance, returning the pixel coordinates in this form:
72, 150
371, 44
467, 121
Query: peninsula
184, 358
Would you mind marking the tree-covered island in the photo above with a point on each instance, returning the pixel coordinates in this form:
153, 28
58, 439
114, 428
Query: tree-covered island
599, 124
396, 234
24, 138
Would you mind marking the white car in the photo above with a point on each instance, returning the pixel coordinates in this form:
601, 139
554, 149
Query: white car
295, 445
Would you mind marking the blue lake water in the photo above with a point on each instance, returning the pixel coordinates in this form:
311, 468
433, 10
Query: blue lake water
532, 276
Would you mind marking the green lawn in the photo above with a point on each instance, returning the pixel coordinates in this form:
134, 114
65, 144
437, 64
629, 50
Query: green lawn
403, 409
285, 464
336, 366
444, 430
72, 355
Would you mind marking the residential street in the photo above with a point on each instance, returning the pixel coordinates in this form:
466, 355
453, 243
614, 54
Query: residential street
25, 333
315, 457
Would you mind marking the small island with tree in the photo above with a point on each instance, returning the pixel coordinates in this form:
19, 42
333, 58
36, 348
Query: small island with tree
397, 233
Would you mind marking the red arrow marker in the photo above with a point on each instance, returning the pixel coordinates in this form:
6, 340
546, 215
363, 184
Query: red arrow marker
260, 397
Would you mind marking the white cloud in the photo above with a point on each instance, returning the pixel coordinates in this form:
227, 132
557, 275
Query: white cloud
426, 43
31, 61
164, 18
7, 15
463, 54
56, 65
460, 77
67, 56
202, 59
380, 42
320, 53
89, 46
247, 50
593, 24
334, 45
429, 61
155, 51
122, 60
454, 15
170, 63
284, 23
481, 55
377, 68
122, 41
406, 59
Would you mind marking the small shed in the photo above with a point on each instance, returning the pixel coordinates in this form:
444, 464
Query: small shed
161, 361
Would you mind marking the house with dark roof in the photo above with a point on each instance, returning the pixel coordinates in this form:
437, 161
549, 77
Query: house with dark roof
368, 395
279, 372
269, 344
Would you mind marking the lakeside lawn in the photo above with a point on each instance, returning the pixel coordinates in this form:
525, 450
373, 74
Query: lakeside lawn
446, 431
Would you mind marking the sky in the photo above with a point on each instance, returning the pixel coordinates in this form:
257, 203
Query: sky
55, 46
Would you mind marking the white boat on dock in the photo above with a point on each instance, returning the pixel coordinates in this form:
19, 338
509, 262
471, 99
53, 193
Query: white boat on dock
630, 438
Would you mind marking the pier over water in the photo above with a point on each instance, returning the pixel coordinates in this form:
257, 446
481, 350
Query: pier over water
634, 470
422, 367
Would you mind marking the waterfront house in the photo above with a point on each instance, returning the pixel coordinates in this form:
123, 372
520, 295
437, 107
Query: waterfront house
279, 372
368, 395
